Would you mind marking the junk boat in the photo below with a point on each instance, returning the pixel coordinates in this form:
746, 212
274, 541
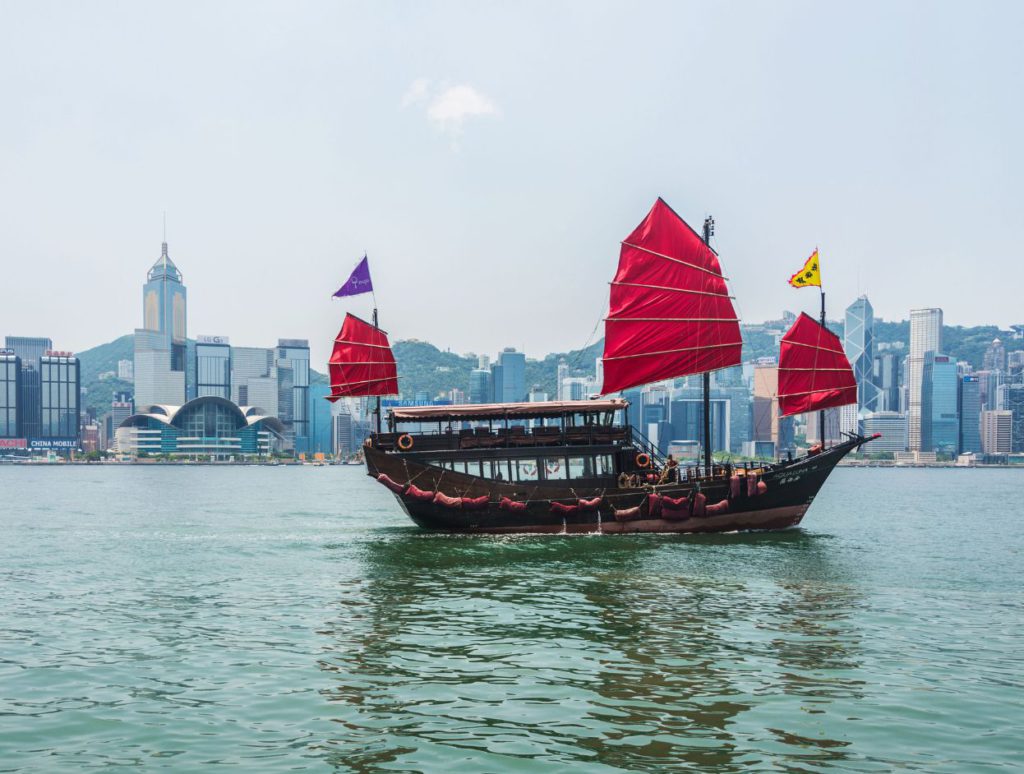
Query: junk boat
580, 466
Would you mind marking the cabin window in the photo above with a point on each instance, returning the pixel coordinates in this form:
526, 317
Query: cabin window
605, 465
526, 470
495, 469
554, 468
581, 467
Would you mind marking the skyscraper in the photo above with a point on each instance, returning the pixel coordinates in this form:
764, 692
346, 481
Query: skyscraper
940, 424
320, 420
160, 345
925, 336
480, 385
995, 357
213, 366
886, 377
858, 342
969, 408
10, 389
561, 375
254, 378
293, 391
997, 432
30, 349
513, 376
1015, 404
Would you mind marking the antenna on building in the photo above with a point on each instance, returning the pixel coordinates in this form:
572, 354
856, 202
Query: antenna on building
164, 244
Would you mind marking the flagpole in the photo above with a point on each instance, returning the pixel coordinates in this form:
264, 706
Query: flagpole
821, 414
375, 325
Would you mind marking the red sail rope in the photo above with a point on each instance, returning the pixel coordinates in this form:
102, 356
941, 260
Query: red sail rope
814, 373
670, 313
362, 362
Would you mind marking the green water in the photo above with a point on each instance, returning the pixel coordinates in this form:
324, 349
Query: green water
292, 620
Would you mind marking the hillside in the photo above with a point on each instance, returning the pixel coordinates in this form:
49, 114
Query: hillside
422, 367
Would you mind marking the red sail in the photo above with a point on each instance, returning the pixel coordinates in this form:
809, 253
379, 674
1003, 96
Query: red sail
814, 373
670, 313
362, 363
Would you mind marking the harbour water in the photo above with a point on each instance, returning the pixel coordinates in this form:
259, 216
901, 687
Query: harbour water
189, 618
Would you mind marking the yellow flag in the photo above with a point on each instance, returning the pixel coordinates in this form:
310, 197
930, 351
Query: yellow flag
809, 275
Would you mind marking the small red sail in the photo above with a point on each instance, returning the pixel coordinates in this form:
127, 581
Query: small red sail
814, 373
362, 362
670, 313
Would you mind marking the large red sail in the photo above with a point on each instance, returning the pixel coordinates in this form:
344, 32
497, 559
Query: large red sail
670, 313
814, 373
362, 362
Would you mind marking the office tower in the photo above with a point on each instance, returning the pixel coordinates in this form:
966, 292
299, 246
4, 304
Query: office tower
59, 395
213, 366
496, 383
886, 376
254, 378
10, 390
1015, 367
320, 420
969, 409
344, 433
1015, 405
858, 343
893, 427
997, 432
925, 336
994, 358
766, 402
687, 411
940, 424
561, 375
479, 386
990, 382
160, 345
513, 377
293, 391
126, 370
30, 349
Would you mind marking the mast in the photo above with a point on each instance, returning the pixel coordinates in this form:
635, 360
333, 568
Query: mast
821, 414
709, 229
377, 410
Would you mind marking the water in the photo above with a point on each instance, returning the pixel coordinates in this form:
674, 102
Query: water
290, 619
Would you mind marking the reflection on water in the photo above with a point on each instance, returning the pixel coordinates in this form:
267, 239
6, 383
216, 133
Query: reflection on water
637, 654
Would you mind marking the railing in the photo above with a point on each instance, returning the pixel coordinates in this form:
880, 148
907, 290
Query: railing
507, 438
644, 444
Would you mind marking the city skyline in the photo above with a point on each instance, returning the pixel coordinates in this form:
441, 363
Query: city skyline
485, 167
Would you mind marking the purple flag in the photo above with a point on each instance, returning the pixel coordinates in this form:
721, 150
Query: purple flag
358, 283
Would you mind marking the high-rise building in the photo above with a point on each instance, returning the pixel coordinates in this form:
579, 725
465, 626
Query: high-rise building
893, 427
886, 376
320, 420
925, 336
254, 378
293, 391
10, 390
997, 432
126, 370
687, 412
160, 345
213, 366
60, 395
940, 422
1015, 405
858, 342
480, 386
990, 382
513, 376
561, 375
994, 358
765, 404
969, 409
344, 434
1015, 367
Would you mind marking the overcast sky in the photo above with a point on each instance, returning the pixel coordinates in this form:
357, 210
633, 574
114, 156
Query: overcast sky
489, 158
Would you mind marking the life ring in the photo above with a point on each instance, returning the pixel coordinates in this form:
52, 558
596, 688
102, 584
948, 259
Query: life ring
405, 442
643, 460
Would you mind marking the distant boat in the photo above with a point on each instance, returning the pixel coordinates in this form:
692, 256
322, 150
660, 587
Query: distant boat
579, 466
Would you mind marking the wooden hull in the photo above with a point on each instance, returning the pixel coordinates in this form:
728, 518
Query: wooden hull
791, 488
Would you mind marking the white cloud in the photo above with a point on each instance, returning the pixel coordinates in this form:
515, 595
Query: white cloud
449, 107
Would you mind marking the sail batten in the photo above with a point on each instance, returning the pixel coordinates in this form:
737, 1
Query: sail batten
814, 373
362, 363
670, 313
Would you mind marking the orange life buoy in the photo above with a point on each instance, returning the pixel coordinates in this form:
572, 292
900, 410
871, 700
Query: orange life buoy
643, 460
405, 442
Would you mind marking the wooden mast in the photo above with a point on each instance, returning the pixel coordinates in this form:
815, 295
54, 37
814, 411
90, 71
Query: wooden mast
709, 229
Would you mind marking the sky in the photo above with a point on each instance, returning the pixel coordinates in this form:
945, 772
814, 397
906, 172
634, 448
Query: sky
489, 158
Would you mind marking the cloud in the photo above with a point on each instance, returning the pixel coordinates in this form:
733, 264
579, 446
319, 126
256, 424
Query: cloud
449, 107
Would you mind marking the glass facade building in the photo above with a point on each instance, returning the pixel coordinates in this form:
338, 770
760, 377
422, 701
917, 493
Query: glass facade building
858, 342
10, 389
59, 395
940, 422
293, 392
213, 366
207, 427
509, 377
161, 344
925, 337
969, 408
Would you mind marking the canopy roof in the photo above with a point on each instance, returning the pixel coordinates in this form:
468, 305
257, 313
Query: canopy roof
552, 408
